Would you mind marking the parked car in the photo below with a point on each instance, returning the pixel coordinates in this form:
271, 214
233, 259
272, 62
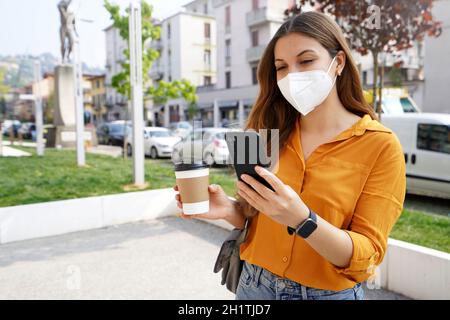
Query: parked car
102, 133
112, 133
207, 144
181, 128
26, 129
394, 101
7, 126
425, 139
158, 142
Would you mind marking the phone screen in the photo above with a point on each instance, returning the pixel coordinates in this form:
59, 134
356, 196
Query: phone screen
247, 150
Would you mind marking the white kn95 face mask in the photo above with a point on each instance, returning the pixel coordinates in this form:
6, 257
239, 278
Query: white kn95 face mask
308, 89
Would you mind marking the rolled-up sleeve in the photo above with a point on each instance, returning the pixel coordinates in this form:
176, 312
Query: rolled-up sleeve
378, 208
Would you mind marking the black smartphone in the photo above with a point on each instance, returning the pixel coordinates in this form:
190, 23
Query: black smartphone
246, 149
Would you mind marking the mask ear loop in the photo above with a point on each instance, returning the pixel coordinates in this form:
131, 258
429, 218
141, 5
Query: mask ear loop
328, 70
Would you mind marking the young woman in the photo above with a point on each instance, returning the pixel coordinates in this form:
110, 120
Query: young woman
339, 182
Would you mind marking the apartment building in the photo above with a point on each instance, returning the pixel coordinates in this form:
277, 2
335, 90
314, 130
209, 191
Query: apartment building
115, 102
244, 28
187, 48
437, 63
97, 96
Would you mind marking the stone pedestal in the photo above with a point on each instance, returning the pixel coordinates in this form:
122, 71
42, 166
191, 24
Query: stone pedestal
64, 131
65, 136
64, 96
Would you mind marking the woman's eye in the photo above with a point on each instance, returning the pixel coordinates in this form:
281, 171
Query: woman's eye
306, 61
279, 68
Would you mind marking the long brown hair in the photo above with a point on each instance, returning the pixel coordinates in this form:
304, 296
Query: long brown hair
272, 111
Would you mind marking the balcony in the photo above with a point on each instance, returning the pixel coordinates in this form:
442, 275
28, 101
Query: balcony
254, 53
261, 16
227, 61
156, 72
219, 3
156, 44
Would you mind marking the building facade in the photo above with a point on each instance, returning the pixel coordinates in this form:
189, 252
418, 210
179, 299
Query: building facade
244, 28
437, 63
116, 103
187, 48
98, 98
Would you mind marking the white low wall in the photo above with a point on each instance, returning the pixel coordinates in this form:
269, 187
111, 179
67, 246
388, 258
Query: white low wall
414, 271
59, 217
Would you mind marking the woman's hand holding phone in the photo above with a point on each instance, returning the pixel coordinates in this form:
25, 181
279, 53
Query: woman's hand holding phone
282, 205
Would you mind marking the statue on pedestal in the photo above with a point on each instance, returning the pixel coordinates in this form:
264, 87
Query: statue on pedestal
67, 29
64, 120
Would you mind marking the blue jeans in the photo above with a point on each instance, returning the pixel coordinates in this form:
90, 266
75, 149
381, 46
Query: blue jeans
257, 283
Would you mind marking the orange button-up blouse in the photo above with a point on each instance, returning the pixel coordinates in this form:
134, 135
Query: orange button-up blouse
356, 182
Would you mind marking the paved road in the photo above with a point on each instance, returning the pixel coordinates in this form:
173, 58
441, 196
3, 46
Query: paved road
428, 204
168, 258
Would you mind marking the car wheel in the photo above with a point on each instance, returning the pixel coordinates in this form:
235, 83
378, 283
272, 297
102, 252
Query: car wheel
153, 153
209, 159
129, 150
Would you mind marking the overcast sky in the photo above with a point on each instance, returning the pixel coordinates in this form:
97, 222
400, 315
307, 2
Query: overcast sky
32, 26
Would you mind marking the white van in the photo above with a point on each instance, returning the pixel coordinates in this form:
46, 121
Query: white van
425, 139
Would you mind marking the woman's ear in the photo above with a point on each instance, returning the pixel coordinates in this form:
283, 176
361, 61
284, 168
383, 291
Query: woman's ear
340, 59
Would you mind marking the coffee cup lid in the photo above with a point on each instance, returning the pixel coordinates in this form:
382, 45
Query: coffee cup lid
181, 166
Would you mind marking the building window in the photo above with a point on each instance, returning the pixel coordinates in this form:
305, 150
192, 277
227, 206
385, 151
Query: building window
364, 77
227, 19
255, 4
254, 75
433, 137
205, 8
227, 52
227, 15
98, 83
255, 38
168, 31
207, 57
207, 30
228, 79
207, 80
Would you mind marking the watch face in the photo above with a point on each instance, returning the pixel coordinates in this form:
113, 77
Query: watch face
308, 227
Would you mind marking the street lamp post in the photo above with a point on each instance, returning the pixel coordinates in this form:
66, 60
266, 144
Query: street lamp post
39, 119
135, 46
79, 121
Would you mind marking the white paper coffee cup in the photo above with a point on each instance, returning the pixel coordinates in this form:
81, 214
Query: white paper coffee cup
192, 180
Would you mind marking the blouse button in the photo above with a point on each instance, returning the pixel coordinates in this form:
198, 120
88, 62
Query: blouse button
285, 259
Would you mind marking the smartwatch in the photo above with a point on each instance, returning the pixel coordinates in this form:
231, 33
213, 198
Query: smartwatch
305, 228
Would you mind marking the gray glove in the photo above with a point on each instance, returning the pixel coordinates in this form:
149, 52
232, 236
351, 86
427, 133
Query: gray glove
229, 260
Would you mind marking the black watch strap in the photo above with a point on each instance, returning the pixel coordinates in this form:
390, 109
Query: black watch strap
305, 228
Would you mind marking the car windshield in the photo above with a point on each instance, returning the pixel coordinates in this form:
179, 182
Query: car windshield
392, 105
119, 128
407, 105
160, 134
183, 125
220, 135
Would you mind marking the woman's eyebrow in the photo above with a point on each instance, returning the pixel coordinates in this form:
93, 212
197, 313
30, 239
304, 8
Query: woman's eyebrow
298, 55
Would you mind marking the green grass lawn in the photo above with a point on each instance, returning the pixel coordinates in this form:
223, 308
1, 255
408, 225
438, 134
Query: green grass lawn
55, 177
428, 230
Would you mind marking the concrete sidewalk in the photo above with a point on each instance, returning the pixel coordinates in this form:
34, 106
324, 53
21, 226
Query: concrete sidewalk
12, 152
169, 258
19, 144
